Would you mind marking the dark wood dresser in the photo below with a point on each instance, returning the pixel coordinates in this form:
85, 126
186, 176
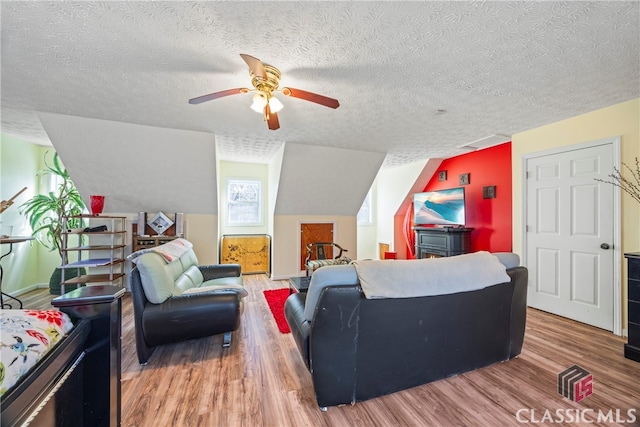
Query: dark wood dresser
632, 348
102, 305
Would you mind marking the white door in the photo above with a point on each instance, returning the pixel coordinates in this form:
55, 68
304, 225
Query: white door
570, 234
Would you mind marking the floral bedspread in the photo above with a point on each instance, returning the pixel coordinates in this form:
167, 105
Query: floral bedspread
25, 337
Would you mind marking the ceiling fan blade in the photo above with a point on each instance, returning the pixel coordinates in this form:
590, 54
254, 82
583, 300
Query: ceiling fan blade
271, 118
255, 65
217, 95
309, 96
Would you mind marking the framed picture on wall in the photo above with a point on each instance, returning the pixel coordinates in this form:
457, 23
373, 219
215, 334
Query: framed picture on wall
489, 192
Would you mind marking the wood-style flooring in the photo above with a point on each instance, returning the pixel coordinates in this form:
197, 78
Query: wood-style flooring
261, 380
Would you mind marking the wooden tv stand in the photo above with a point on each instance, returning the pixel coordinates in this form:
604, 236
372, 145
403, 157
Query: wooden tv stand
433, 242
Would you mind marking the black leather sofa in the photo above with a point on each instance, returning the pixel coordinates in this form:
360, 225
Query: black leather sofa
357, 348
187, 316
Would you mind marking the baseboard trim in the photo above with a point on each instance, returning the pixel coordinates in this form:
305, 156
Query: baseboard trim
283, 277
28, 289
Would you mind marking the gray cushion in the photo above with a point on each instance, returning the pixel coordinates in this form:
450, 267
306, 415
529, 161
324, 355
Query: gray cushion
195, 275
188, 259
157, 279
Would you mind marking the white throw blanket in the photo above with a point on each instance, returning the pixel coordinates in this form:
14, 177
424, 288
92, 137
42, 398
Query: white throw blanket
438, 276
169, 251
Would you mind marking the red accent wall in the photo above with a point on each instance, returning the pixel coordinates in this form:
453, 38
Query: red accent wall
490, 218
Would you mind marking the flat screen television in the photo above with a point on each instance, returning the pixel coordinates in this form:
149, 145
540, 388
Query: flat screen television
439, 207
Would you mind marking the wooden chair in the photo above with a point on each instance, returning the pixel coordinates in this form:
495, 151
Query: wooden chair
320, 254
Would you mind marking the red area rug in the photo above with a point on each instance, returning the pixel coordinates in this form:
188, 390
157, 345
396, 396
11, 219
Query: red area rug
275, 299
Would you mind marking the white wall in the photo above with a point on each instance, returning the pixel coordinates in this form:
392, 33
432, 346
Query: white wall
137, 168
318, 180
274, 170
394, 186
286, 248
622, 120
142, 168
318, 184
368, 233
202, 231
392, 193
395, 191
249, 171
30, 264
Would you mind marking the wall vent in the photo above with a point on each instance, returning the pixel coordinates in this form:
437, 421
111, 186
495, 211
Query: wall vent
487, 141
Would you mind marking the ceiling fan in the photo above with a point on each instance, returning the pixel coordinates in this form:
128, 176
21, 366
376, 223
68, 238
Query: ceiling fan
265, 79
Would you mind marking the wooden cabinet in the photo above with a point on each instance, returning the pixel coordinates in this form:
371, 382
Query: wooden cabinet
251, 251
442, 242
632, 348
97, 247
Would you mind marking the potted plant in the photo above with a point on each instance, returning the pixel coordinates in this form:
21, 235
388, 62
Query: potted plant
48, 214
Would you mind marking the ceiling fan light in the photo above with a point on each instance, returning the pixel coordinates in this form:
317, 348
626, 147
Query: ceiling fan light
259, 101
275, 104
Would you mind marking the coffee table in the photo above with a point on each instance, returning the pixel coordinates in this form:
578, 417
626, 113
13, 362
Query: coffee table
299, 284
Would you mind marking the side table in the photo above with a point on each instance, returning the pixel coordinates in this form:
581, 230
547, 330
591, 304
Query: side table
299, 284
10, 241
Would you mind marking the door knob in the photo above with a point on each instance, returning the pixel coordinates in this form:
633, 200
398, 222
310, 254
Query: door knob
605, 246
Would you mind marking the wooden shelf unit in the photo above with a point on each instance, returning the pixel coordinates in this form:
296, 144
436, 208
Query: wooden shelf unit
149, 241
100, 253
150, 238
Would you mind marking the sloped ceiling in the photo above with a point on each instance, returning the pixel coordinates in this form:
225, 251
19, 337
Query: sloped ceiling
324, 181
137, 168
495, 67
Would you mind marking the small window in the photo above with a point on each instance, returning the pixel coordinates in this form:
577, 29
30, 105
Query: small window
365, 216
244, 202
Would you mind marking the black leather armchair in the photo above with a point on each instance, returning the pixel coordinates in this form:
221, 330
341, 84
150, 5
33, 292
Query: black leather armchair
187, 316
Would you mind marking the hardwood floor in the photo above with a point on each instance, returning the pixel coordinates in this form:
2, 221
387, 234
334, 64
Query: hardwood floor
261, 380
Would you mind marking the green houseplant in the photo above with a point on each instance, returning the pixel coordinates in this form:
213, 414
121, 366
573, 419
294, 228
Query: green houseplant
47, 214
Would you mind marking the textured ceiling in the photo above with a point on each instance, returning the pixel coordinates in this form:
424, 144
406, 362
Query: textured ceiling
495, 67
